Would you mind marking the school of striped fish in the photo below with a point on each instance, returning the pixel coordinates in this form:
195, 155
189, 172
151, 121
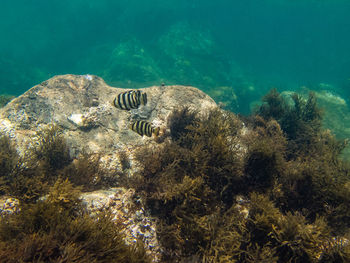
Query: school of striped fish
132, 99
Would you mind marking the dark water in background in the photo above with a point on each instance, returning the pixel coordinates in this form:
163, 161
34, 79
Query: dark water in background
234, 50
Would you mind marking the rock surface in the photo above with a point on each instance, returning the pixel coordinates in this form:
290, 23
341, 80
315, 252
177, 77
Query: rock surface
83, 106
129, 213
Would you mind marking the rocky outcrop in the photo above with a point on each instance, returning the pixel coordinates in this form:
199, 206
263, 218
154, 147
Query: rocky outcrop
128, 212
83, 106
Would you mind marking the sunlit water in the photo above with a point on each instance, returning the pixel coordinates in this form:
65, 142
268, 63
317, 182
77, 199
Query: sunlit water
233, 50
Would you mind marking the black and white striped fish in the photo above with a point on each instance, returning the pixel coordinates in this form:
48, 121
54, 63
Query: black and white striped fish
144, 128
131, 99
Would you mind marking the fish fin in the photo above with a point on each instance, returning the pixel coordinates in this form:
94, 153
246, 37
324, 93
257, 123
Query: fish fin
156, 131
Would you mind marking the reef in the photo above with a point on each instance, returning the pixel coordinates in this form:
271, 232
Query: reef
78, 185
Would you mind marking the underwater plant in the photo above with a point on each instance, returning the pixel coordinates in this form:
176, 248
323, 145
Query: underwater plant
88, 172
185, 179
301, 121
51, 150
58, 229
223, 188
28, 177
18, 178
180, 120
295, 196
265, 158
314, 177
8, 156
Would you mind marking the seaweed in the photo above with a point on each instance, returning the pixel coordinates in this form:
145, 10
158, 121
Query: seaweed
185, 179
301, 121
17, 178
179, 121
57, 229
297, 195
312, 178
124, 161
336, 250
273, 106
28, 177
8, 160
51, 150
265, 235
265, 157
294, 239
88, 172
275, 192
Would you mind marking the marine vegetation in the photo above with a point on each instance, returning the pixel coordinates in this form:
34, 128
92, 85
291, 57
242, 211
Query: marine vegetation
301, 121
275, 192
58, 229
51, 149
314, 176
190, 178
224, 188
88, 172
29, 176
52, 224
18, 179
180, 120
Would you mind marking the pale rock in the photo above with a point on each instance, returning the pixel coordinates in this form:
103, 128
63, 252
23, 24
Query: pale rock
82, 105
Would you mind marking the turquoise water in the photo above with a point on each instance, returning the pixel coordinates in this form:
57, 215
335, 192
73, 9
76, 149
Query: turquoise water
233, 50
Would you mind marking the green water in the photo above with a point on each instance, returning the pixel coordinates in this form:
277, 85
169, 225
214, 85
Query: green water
233, 50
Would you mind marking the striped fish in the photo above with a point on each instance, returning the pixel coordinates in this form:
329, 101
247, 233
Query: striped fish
144, 128
131, 99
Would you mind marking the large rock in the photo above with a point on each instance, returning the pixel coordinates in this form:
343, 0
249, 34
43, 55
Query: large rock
83, 106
